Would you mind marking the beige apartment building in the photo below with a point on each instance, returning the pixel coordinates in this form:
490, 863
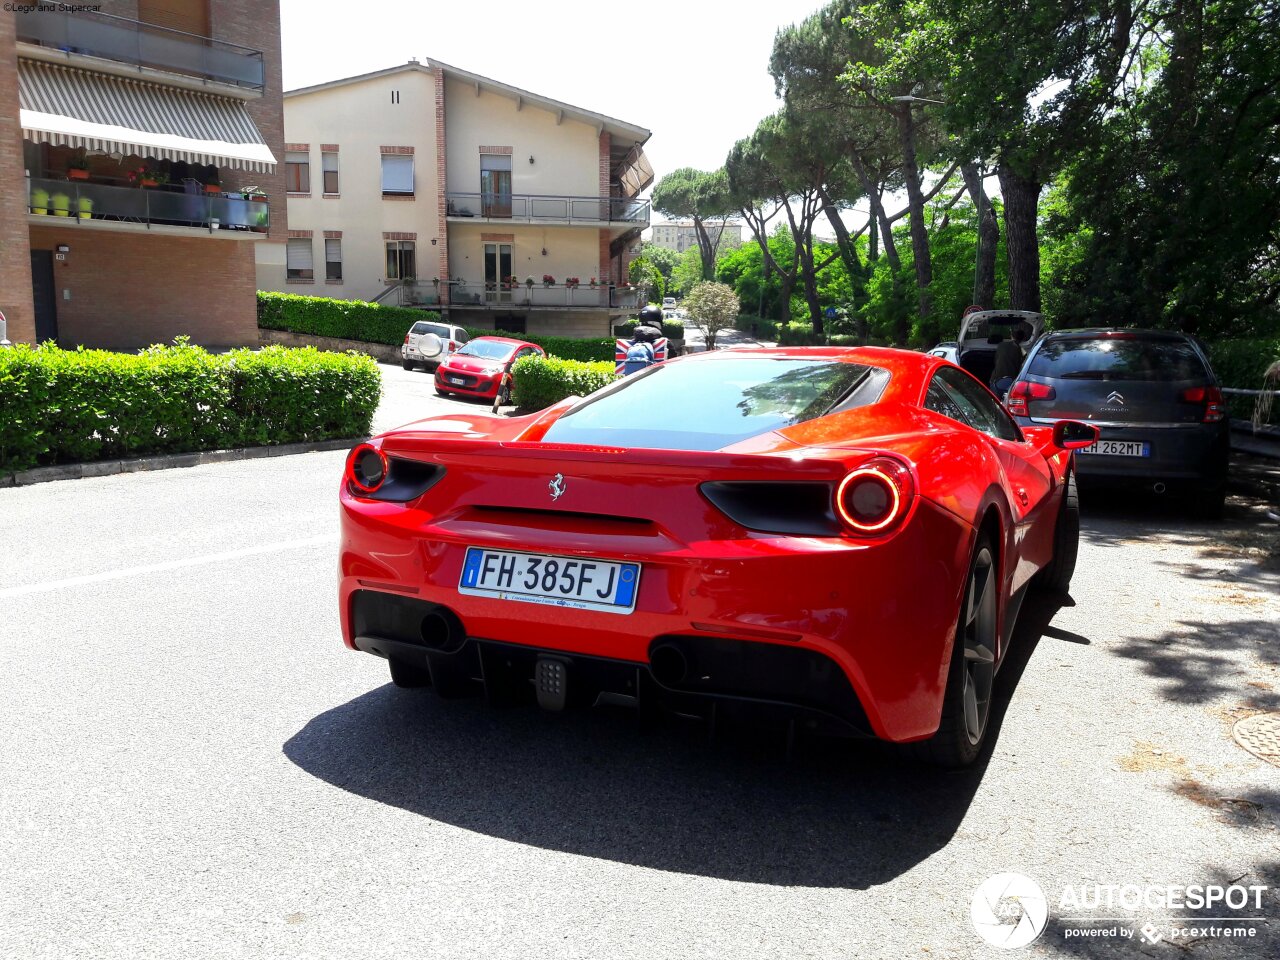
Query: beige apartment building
139, 189
426, 185
680, 235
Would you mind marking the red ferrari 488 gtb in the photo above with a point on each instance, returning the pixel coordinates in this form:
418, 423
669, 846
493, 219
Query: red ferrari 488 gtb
841, 537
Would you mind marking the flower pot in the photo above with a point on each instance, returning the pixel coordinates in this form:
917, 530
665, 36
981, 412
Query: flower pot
61, 205
212, 188
40, 202
149, 183
76, 174
85, 206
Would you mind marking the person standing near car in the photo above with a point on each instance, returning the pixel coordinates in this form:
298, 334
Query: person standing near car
1009, 357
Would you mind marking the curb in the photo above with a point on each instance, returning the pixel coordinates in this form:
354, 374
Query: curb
107, 468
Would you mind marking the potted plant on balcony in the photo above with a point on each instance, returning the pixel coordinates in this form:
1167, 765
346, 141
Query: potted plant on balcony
78, 167
593, 282
214, 185
548, 280
260, 223
85, 207
61, 204
39, 201
255, 193
571, 282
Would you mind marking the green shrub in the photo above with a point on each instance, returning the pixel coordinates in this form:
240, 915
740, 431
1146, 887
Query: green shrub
542, 381
72, 406
348, 319
1242, 364
373, 323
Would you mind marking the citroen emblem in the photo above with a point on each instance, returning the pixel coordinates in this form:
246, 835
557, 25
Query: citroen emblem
1116, 397
556, 486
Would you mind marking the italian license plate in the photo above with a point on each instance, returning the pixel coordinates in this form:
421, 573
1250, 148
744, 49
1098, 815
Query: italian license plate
571, 582
1119, 448
457, 380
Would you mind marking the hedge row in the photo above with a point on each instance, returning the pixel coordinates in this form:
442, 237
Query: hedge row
674, 329
374, 323
327, 317
1243, 364
72, 406
540, 382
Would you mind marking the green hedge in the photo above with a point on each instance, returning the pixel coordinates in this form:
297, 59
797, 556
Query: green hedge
327, 317
540, 382
673, 329
373, 323
1242, 364
71, 406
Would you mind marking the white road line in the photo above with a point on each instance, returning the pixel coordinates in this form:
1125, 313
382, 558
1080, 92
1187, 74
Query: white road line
122, 574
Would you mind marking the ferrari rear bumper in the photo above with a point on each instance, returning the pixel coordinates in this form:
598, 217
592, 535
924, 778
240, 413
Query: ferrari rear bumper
698, 676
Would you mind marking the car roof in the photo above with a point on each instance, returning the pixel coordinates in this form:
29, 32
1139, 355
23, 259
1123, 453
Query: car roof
1090, 333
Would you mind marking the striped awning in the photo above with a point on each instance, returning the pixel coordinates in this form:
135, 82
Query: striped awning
113, 114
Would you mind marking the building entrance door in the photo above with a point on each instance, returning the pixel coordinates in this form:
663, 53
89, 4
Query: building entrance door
497, 271
44, 296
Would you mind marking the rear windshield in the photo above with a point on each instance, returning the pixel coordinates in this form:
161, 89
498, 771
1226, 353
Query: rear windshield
1109, 358
437, 329
708, 404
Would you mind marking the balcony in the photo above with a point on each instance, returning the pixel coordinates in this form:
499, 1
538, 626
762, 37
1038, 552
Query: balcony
142, 45
548, 209
501, 296
169, 209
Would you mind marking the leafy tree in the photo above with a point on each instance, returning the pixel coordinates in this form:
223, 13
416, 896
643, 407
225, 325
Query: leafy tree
687, 272
712, 307
663, 258
645, 274
702, 197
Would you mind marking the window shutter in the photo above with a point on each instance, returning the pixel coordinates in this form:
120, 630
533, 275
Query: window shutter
333, 251
397, 173
298, 255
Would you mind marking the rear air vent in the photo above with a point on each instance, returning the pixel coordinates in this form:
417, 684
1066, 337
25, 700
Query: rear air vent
800, 509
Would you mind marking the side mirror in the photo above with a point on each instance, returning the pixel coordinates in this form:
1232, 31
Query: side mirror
1074, 435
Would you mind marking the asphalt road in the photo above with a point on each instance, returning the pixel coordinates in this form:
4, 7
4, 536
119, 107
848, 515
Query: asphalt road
193, 766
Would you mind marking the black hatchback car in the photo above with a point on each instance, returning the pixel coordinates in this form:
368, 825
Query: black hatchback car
1154, 398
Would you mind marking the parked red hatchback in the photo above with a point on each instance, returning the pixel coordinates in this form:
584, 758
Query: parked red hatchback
477, 369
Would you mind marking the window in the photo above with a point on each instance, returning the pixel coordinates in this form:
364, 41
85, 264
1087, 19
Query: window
495, 185
956, 395
329, 167
333, 259
397, 175
298, 262
400, 260
297, 173
1113, 358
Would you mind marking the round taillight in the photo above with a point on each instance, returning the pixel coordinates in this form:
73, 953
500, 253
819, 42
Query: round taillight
875, 497
366, 468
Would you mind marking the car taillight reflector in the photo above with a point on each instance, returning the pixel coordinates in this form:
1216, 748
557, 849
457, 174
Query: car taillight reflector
875, 497
366, 468
1024, 391
1211, 397
406, 338
452, 346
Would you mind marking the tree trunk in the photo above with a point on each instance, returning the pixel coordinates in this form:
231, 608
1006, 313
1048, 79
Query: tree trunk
1021, 196
706, 250
811, 292
984, 273
852, 262
919, 232
872, 190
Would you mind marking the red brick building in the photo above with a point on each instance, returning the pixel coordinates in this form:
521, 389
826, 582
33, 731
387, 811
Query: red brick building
139, 184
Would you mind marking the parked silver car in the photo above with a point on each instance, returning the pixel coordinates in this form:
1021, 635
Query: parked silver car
428, 344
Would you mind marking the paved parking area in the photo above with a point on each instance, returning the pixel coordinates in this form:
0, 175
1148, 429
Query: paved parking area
194, 766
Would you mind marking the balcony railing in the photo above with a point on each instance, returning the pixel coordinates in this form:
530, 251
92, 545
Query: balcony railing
500, 206
515, 296
83, 201
141, 44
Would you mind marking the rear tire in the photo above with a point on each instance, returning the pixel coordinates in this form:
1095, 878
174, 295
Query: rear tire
966, 704
407, 676
1056, 577
407, 364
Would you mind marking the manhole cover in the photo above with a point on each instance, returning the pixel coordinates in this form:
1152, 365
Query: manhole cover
1260, 735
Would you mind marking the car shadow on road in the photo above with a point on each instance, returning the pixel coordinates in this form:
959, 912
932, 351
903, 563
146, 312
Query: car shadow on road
832, 814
